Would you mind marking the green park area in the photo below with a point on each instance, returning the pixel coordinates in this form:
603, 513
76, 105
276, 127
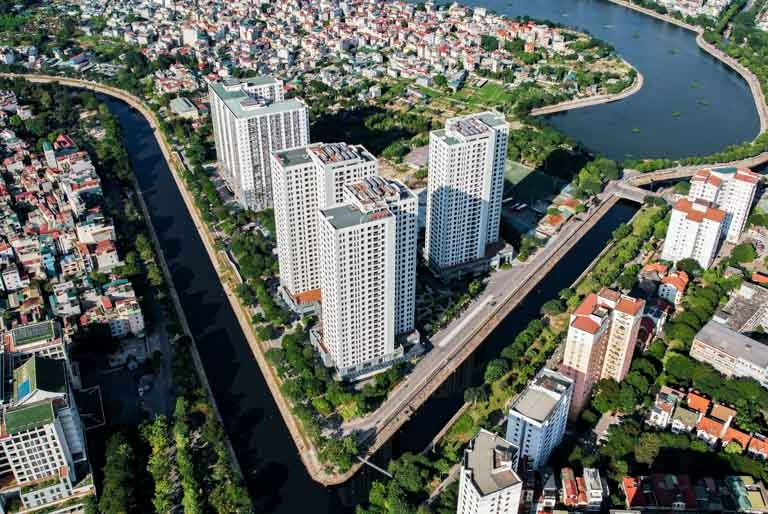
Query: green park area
490, 94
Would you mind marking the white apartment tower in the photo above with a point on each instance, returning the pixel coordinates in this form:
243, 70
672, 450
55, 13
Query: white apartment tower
601, 341
488, 482
694, 232
305, 180
42, 443
464, 190
377, 193
731, 190
252, 120
357, 278
538, 416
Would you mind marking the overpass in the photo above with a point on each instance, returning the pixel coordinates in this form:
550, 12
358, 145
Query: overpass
637, 178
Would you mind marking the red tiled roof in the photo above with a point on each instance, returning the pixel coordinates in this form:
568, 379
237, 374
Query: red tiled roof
658, 267
722, 412
758, 444
759, 278
736, 435
677, 280
710, 426
698, 403
587, 305
630, 306
686, 206
746, 175
586, 324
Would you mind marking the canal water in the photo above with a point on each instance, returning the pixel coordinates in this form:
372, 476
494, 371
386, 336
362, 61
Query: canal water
274, 473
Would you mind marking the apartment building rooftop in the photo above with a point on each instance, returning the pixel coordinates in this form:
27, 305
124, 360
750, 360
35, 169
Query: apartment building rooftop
736, 345
712, 175
376, 192
346, 216
29, 416
33, 333
39, 373
469, 127
699, 210
293, 157
491, 460
747, 302
340, 153
540, 397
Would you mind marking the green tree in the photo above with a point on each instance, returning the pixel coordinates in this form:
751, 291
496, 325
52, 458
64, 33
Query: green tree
733, 447
118, 495
647, 448
495, 369
475, 394
552, 307
690, 266
160, 464
744, 253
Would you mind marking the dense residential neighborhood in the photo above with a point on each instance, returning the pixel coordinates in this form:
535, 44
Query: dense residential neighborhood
380, 222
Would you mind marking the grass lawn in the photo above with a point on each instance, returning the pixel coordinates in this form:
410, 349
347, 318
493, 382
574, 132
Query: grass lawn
537, 185
491, 94
348, 411
103, 45
516, 172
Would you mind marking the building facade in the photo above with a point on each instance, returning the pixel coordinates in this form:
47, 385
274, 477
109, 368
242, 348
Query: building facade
538, 416
357, 278
377, 193
42, 446
731, 353
694, 232
601, 340
305, 180
464, 190
251, 120
488, 481
731, 190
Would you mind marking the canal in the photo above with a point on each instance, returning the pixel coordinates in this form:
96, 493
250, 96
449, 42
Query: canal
274, 472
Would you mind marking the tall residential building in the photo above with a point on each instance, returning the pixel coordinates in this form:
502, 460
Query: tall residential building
42, 446
731, 190
538, 416
357, 278
305, 180
465, 186
252, 120
488, 482
694, 232
601, 340
376, 193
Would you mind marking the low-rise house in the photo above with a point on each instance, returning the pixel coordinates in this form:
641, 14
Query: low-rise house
733, 435
660, 415
659, 492
749, 496
698, 403
673, 286
684, 420
758, 447
710, 430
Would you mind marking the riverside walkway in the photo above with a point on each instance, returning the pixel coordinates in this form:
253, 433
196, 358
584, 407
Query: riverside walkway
579, 103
